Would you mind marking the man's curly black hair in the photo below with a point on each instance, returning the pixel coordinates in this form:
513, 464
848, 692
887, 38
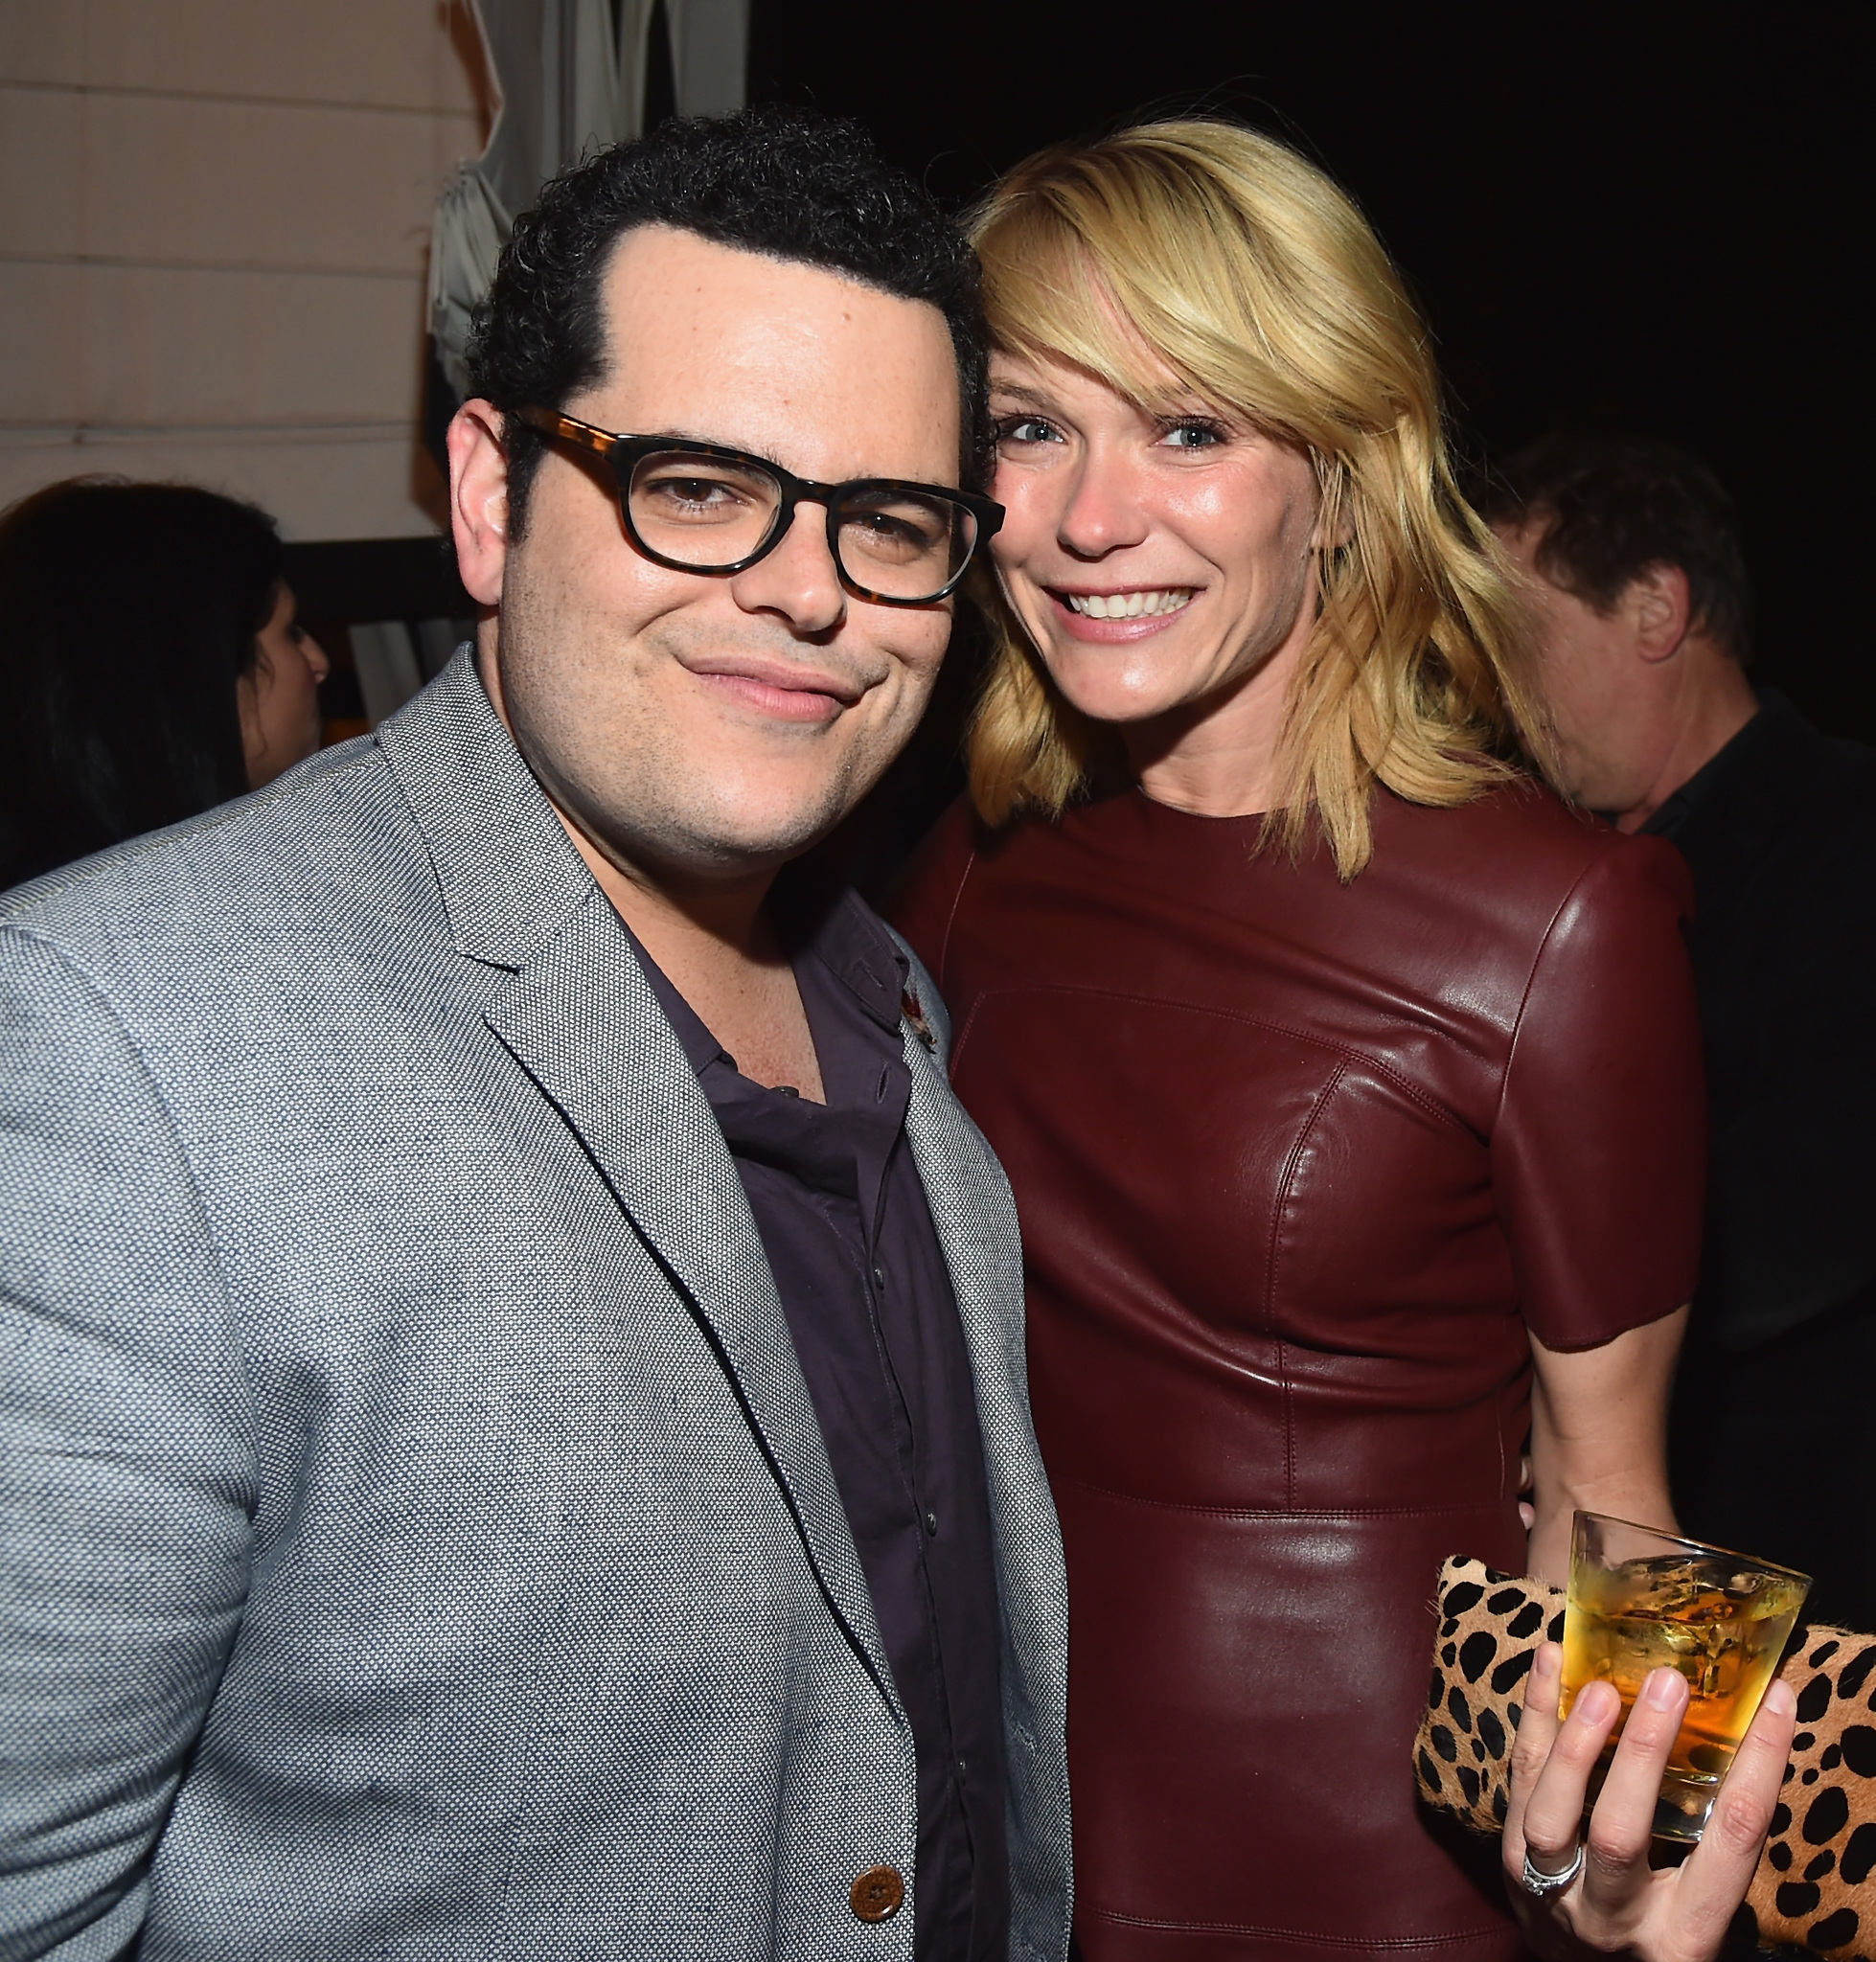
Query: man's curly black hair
788, 183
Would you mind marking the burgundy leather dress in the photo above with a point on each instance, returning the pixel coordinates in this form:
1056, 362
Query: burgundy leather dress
1299, 1165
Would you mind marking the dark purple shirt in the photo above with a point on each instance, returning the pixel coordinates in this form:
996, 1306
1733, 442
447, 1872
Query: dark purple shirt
843, 1220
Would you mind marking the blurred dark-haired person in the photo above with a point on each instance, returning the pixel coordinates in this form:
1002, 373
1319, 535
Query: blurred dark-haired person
150, 663
513, 1435
1643, 615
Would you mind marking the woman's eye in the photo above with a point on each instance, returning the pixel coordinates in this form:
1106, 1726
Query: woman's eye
1192, 435
1027, 429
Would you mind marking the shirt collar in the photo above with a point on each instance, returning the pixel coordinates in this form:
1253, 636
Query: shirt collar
824, 923
1714, 773
837, 928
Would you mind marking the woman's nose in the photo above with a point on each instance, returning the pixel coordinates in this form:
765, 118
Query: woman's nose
1103, 512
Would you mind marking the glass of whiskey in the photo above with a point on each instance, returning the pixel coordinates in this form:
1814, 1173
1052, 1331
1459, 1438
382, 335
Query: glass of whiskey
1639, 1599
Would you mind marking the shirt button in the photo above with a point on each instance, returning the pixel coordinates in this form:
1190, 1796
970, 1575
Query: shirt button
879, 1279
879, 1893
931, 1524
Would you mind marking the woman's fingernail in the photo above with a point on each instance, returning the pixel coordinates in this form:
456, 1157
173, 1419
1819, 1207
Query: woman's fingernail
1663, 1689
1596, 1702
1547, 1659
1781, 1699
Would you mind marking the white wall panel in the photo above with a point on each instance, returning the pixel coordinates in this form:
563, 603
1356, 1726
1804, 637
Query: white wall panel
383, 52
41, 152
41, 344
214, 219
193, 347
40, 42
221, 183
360, 482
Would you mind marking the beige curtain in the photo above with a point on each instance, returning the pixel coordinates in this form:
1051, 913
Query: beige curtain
568, 82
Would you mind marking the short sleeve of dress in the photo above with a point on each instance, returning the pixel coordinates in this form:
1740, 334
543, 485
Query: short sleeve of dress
1599, 1154
922, 903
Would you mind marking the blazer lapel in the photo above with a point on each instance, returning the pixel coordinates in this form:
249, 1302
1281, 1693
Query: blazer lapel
581, 1018
578, 1016
975, 1217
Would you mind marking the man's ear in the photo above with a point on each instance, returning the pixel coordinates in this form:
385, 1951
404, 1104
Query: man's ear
1659, 610
478, 498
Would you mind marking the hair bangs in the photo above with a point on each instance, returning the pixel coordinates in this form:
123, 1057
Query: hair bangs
1107, 271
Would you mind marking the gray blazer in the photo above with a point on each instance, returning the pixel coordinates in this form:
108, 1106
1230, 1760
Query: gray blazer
416, 1539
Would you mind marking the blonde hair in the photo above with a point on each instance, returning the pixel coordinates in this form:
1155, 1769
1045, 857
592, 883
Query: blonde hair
1246, 273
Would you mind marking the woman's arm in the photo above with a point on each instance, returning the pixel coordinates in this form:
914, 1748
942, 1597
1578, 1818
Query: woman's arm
1598, 1166
1599, 1436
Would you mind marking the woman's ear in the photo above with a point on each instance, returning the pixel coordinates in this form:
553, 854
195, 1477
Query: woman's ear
1334, 514
478, 499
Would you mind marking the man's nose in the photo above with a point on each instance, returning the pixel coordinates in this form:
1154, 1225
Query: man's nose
798, 579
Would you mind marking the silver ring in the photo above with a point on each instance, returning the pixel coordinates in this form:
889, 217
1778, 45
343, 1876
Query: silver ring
1544, 1884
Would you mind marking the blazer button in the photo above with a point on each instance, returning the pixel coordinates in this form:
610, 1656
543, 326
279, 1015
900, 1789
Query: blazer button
878, 1894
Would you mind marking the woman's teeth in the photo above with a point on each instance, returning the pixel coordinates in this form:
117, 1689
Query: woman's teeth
1128, 605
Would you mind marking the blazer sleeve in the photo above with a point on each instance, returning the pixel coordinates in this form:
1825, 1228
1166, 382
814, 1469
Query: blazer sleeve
127, 1480
1599, 1154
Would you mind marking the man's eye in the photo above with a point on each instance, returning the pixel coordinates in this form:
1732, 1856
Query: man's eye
698, 495
1027, 429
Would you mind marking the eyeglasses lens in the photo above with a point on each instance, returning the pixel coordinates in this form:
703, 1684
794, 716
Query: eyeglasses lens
709, 514
702, 511
902, 545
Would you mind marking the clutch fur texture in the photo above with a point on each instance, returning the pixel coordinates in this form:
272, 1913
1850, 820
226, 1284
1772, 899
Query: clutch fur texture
1813, 1888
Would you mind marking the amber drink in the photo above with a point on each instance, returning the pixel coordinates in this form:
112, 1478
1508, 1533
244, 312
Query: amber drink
1639, 1599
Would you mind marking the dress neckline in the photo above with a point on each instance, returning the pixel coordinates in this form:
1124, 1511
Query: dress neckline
1142, 795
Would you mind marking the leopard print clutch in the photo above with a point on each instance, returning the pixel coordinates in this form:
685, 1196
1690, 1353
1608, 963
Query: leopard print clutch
1813, 1888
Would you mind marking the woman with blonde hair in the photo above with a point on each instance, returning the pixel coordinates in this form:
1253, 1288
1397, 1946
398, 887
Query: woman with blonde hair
1348, 1082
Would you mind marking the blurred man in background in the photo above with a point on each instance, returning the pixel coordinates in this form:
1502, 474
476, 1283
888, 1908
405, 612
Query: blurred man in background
1642, 613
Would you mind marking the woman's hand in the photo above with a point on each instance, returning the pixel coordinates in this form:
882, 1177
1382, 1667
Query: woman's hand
1617, 1903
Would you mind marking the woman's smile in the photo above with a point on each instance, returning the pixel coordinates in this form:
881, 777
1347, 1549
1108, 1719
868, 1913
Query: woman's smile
1161, 560
1121, 614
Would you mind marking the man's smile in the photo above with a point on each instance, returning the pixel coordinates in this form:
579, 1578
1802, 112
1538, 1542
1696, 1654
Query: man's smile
776, 686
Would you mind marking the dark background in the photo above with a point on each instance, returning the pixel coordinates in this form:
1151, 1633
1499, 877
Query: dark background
1643, 218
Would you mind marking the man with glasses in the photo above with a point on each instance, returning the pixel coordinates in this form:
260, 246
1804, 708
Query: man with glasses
516, 1439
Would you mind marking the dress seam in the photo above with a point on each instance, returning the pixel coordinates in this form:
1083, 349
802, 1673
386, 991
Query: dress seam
950, 918
1407, 1088
963, 1035
1529, 988
1284, 1512
1367, 1944
1278, 1212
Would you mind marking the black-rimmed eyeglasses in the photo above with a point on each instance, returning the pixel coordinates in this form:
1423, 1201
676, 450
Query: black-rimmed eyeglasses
697, 506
